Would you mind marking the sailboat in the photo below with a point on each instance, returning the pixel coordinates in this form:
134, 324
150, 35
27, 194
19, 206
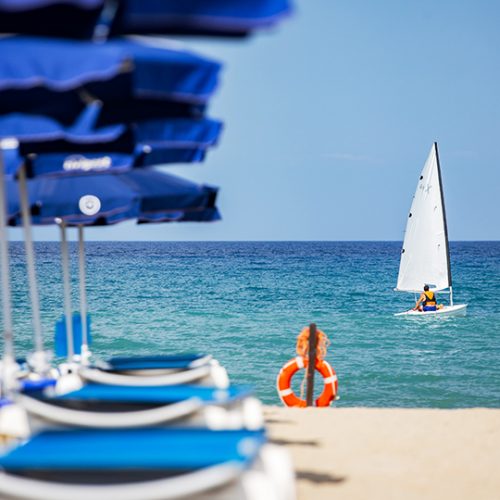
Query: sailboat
425, 257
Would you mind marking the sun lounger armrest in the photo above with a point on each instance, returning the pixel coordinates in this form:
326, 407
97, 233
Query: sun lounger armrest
140, 418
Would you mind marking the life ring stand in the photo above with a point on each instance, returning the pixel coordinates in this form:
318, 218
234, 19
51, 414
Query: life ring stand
284, 380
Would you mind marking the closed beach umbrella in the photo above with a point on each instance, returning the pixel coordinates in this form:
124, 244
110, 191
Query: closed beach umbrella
87, 18
122, 96
36, 133
64, 18
103, 199
199, 17
133, 79
145, 143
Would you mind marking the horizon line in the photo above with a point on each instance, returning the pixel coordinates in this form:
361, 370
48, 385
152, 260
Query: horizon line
91, 240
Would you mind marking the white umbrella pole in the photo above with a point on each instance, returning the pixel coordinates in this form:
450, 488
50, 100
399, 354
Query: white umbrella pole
8, 347
30, 261
83, 292
67, 292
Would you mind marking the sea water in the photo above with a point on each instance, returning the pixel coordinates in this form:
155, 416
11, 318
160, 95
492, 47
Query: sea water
245, 303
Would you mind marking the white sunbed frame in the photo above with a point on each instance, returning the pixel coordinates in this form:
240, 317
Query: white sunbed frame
240, 414
211, 373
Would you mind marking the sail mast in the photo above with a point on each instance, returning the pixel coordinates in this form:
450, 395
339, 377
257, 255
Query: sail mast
444, 220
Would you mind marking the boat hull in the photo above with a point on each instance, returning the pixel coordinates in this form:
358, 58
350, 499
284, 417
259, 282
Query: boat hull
458, 310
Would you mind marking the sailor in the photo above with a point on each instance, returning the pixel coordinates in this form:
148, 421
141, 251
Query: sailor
427, 301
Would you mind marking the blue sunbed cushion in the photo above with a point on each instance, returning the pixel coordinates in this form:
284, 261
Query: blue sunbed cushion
28, 386
61, 346
180, 361
151, 394
181, 449
5, 402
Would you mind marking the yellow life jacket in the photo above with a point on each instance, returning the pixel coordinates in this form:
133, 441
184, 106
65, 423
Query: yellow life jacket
430, 299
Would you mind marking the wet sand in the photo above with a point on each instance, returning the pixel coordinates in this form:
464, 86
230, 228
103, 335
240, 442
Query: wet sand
365, 453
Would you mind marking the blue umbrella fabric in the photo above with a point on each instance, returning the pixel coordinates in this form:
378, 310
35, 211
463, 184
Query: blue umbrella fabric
201, 17
209, 214
64, 18
56, 164
37, 133
150, 142
79, 18
133, 78
175, 140
104, 199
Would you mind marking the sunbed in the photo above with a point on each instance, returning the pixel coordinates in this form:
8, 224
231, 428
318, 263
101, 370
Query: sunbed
146, 464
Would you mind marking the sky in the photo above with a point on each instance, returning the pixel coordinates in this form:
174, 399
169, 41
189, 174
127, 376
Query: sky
330, 117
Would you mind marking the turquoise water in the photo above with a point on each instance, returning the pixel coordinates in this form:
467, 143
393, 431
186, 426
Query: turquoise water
246, 303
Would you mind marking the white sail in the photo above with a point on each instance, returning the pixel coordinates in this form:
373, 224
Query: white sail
424, 257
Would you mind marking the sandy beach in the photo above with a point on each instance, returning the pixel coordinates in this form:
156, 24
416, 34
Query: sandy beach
360, 453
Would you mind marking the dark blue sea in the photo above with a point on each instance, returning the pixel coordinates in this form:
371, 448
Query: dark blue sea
246, 302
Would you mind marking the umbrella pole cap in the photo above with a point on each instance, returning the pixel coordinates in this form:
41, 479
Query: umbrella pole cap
14, 422
40, 361
9, 370
85, 355
68, 382
219, 375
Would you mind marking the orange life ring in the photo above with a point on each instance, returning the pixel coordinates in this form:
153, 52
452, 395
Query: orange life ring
283, 382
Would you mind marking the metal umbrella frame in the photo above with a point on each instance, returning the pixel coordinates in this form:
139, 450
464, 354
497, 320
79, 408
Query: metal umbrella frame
8, 360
